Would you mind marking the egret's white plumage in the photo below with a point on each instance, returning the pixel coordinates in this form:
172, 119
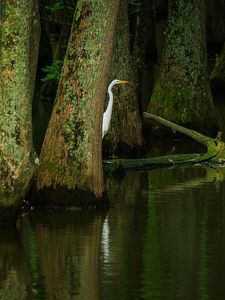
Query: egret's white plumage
108, 113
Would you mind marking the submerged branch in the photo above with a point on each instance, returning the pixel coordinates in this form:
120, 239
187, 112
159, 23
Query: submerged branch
205, 140
215, 151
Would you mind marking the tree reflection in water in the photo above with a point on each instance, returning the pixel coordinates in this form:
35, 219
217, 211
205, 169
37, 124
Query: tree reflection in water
162, 237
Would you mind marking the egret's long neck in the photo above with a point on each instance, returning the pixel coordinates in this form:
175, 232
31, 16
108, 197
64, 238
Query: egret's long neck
110, 103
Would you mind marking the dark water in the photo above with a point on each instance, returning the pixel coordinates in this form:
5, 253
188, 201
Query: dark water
163, 238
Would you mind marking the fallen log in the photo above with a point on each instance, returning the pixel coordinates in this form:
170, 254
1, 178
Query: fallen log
215, 151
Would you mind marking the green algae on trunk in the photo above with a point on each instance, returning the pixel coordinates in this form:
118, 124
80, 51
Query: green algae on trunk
71, 152
182, 91
19, 40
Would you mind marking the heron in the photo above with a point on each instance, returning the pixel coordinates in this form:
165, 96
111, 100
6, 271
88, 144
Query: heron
108, 113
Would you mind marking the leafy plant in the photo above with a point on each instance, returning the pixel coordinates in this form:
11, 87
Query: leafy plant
57, 5
134, 6
53, 71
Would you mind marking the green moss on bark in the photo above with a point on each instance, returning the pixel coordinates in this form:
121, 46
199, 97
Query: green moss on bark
73, 138
17, 69
182, 92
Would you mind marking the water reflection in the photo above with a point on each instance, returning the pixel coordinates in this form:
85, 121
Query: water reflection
162, 238
68, 249
105, 240
14, 271
181, 231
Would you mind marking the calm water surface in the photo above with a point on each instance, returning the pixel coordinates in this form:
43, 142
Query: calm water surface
163, 238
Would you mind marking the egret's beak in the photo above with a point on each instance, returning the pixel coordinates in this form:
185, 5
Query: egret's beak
124, 81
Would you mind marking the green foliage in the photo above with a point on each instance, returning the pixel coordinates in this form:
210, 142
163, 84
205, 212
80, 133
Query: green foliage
57, 5
134, 6
115, 161
53, 71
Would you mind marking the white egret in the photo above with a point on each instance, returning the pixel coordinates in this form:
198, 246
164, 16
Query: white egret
108, 113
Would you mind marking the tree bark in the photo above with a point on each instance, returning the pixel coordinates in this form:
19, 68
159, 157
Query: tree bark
71, 155
125, 128
182, 91
19, 41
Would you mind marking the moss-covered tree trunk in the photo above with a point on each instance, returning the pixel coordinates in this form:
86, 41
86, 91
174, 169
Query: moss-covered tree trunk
125, 128
19, 40
71, 155
182, 92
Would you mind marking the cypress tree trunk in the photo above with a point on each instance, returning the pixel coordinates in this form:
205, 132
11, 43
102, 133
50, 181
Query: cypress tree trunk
182, 92
71, 155
19, 40
125, 128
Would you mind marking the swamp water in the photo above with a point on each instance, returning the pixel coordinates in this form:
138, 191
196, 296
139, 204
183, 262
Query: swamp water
162, 238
